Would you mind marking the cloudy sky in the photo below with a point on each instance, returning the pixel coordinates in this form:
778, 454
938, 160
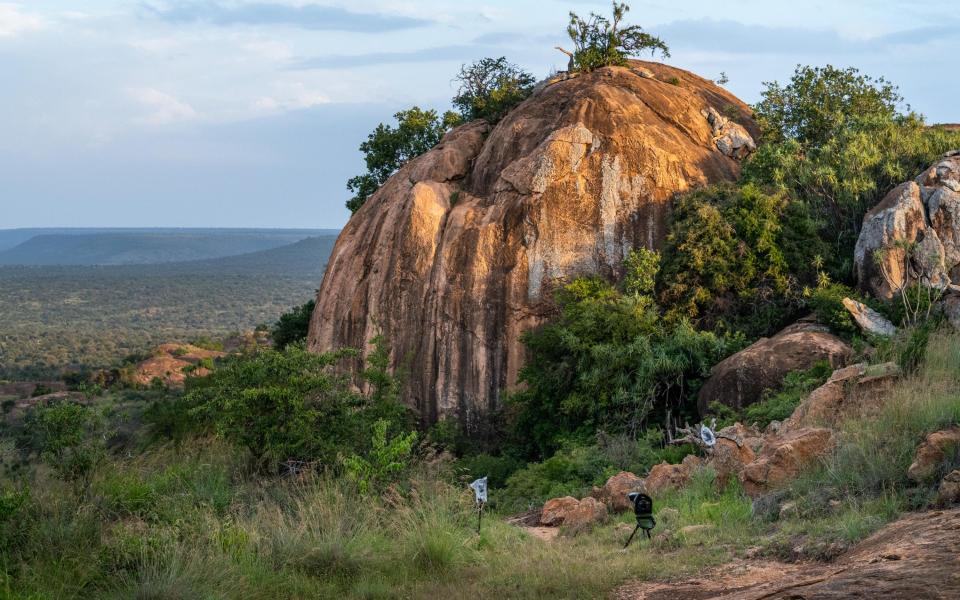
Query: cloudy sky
249, 112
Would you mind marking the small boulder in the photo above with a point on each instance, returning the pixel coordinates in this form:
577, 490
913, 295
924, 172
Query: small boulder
555, 511
783, 457
869, 320
949, 492
614, 491
587, 512
740, 380
931, 454
665, 477
731, 138
728, 457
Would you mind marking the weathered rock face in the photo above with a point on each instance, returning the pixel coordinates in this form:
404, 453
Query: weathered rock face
854, 391
665, 476
741, 379
924, 212
455, 256
869, 320
782, 458
949, 491
933, 452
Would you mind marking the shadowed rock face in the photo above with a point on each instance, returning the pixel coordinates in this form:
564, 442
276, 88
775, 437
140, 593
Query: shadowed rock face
456, 255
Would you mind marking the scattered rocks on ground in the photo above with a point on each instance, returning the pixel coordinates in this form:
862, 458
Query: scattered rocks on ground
783, 457
869, 320
556, 510
741, 379
932, 452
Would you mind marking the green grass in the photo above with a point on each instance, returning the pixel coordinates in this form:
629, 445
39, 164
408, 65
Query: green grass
191, 521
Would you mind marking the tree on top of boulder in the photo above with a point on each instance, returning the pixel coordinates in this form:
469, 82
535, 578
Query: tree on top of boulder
490, 87
387, 148
602, 42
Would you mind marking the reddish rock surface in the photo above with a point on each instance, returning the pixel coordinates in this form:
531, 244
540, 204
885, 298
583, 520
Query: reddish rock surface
572, 513
783, 457
614, 491
456, 255
741, 379
665, 476
913, 558
169, 362
855, 391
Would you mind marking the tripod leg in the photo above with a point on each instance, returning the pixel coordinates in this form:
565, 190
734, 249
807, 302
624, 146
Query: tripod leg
630, 539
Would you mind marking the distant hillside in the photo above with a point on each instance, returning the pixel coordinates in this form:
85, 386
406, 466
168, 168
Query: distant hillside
56, 317
144, 246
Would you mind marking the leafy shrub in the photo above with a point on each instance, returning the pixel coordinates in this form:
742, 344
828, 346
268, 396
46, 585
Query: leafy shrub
727, 260
386, 460
601, 42
389, 147
836, 141
293, 325
68, 437
777, 406
571, 471
490, 87
608, 362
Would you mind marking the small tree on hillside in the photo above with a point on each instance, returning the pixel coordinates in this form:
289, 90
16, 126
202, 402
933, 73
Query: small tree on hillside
490, 87
389, 147
601, 42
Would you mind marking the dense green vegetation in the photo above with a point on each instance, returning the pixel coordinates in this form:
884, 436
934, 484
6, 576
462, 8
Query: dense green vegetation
610, 362
57, 318
490, 87
293, 325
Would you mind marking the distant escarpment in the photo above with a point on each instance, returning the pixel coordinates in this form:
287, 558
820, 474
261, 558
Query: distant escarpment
456, 255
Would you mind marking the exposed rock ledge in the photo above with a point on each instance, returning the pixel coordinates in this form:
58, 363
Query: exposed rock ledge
453, 258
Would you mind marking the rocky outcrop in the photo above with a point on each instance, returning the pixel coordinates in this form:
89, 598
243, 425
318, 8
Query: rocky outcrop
172, 363
912, 558
457, 254
854, 391
869, 320
730, 137
923, 214
933, 452
572, 513
741, 379
783, 457
614, 491
665, 476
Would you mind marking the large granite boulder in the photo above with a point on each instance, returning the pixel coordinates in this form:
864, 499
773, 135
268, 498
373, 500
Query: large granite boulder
741, 379
923, 213
614, 491
456, 255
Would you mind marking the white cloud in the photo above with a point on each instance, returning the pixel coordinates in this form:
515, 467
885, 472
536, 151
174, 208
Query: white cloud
14, 22
290, 97
164, 108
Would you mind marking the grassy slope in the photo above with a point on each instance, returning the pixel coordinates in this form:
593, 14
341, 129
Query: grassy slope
189, 522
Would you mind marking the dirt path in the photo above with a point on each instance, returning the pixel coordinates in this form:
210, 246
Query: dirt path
914, 558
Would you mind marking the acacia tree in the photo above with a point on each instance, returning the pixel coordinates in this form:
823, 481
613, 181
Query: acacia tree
387, 148
490, 87
600, 42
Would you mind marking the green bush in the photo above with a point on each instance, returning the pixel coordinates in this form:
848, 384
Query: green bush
727, 260
608, 362
68, 436
777, 406
489, 88
385, 462
601, 42
836, 141
293, 325
388, 148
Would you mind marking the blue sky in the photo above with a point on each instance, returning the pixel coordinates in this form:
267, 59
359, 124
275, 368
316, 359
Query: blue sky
249, 112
